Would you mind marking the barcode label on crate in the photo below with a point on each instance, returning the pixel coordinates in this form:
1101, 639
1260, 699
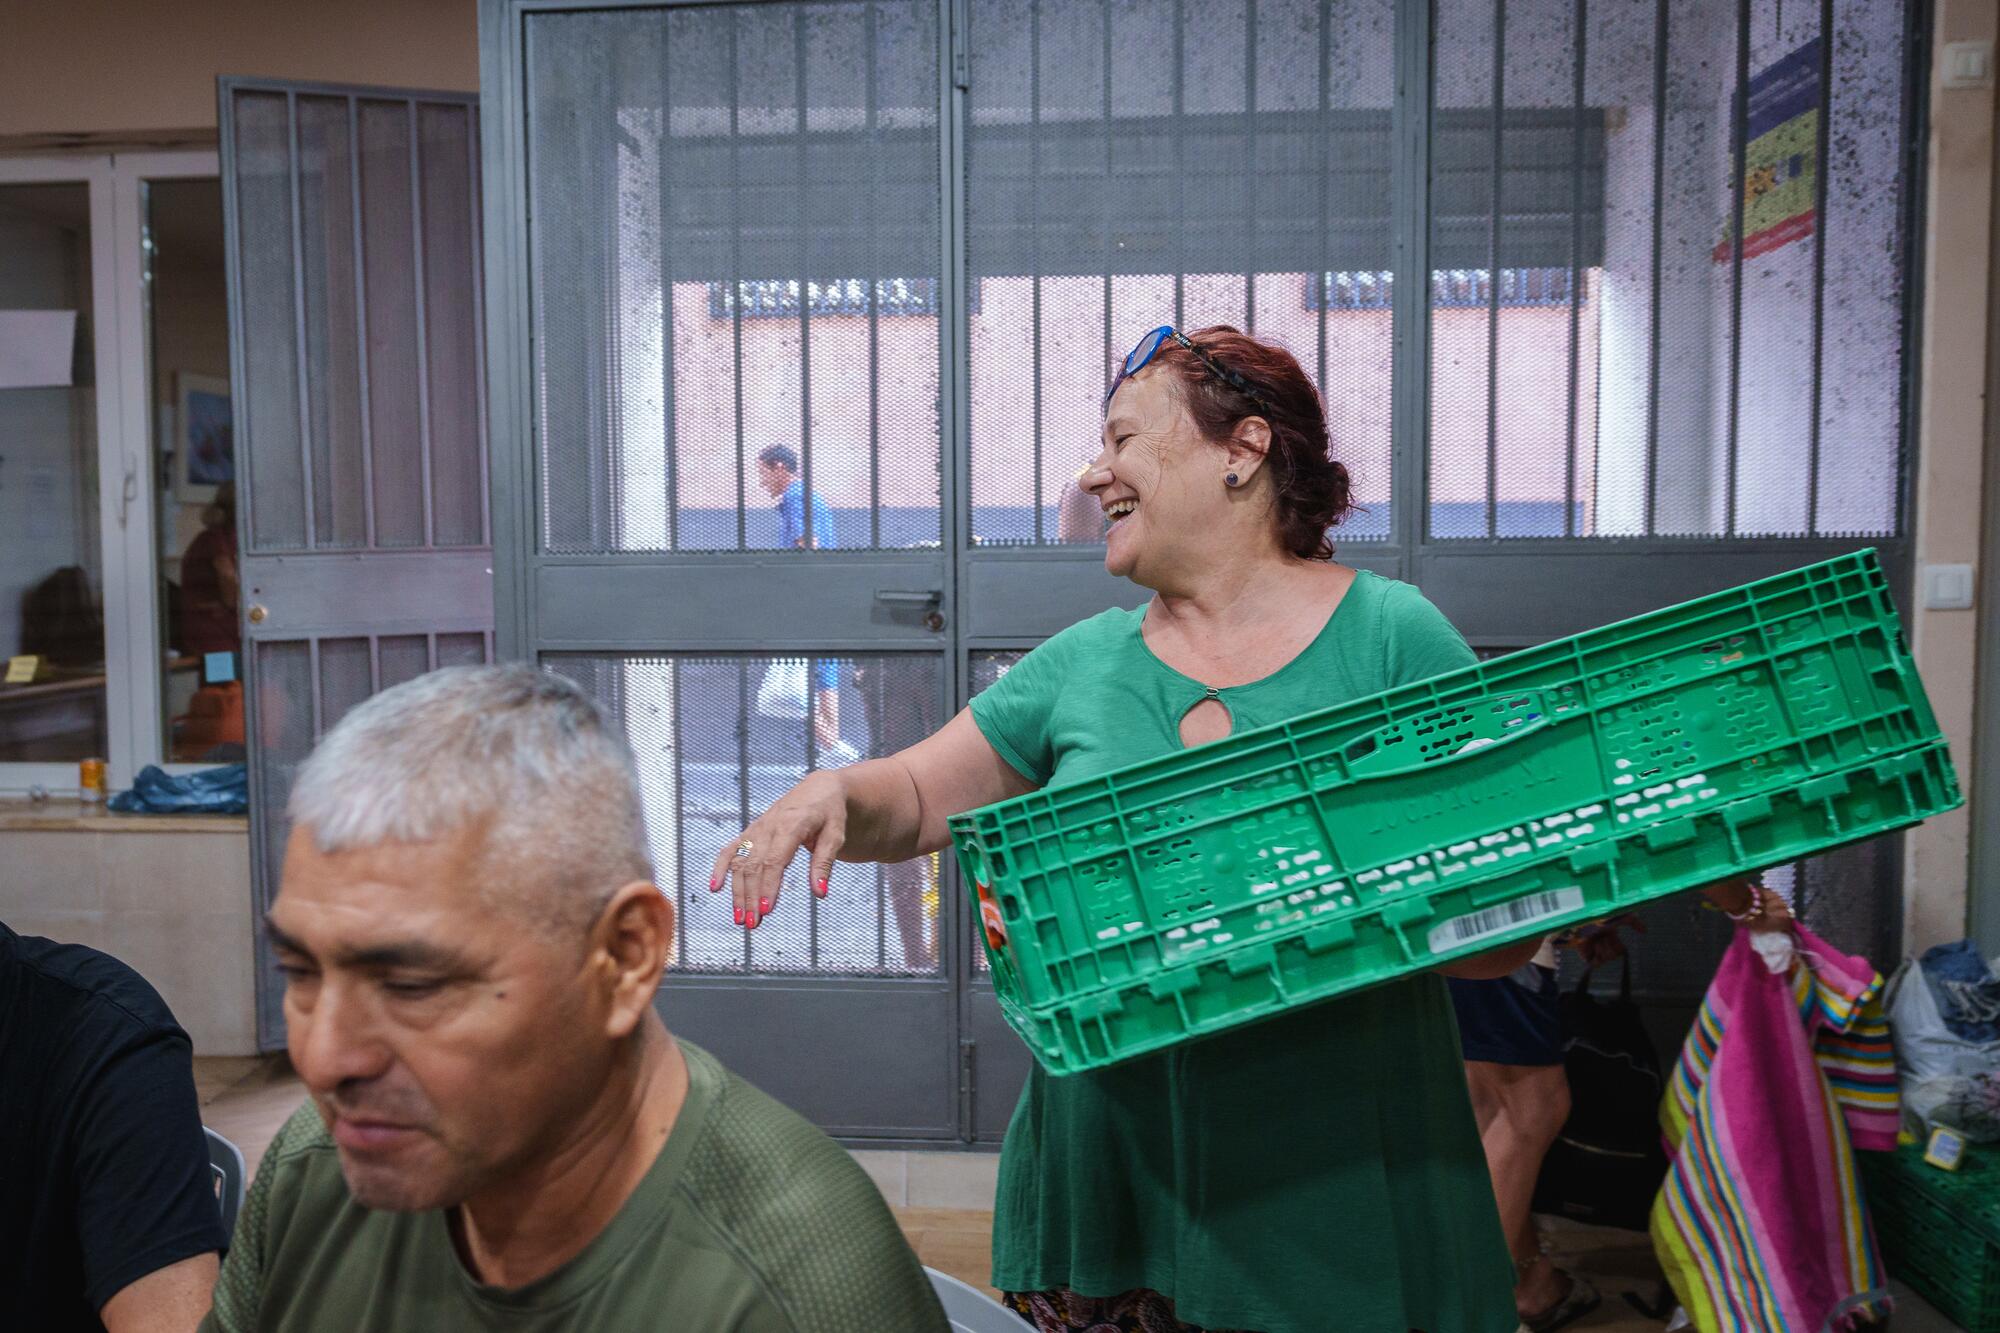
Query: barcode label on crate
1474, 926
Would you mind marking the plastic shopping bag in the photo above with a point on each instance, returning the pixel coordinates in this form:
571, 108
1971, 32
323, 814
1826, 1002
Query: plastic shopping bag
1946, 1079
783, 692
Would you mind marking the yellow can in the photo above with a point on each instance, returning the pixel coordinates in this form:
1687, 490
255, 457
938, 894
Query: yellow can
90, 779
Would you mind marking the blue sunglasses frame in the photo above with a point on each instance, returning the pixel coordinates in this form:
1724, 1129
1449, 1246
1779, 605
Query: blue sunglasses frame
1149, 346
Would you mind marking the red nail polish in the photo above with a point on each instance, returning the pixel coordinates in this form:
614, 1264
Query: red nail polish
739, 916
763, 906
822, 889
714, 884
751, 923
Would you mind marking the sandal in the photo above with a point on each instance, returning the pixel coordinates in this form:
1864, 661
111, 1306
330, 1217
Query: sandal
1578, 1301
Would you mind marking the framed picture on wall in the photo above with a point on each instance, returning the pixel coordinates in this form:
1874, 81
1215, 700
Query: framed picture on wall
204, 445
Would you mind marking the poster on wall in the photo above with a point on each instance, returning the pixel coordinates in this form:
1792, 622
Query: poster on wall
1780, 155
204, 449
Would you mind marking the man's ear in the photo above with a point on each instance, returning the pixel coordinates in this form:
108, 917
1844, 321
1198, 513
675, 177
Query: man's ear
631, 945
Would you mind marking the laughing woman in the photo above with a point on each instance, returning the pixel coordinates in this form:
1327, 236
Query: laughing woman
1320, 1170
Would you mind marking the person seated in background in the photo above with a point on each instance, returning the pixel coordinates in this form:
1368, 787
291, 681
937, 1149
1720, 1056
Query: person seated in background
501, 1131
108, 1214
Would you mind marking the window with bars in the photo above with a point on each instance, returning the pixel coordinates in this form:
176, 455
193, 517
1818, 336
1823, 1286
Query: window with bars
1607, 359
1690, 383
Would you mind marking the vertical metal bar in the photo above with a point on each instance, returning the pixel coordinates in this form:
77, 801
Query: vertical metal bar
743, 704
955, 53
805, 288
1740, 148
663, 158
1035, 259
431, 651
1821, 166
1180, 164
1581, 20
296, 166
476, 279
812, 765
875, 150
1411, 125
365, 413
677, 703
1106, 191
374, 664
1323, 133
1493, 272
1660, 38
423, 338
732, 17
1250, 163
318, 701
882, 921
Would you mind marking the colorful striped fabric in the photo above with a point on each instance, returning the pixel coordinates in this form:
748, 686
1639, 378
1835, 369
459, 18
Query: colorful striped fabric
1760, 1223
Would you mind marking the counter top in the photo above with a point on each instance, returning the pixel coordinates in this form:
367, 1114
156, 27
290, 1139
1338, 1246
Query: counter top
68, 815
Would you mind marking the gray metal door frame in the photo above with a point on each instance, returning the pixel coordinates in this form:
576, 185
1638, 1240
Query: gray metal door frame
311, 600
870, 1058
1498, 591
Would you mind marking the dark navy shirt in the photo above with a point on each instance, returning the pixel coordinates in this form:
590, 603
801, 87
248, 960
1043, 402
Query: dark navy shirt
104, 1172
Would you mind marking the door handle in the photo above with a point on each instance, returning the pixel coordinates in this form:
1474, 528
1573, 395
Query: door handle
910, 596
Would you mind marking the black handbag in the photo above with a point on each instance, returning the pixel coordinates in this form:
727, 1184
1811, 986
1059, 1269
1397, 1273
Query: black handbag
1607, 1163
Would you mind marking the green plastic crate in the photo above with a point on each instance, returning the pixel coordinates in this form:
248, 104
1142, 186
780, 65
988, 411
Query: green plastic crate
1940, 1230
1209, 888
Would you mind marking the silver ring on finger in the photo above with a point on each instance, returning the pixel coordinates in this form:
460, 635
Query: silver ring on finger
743, 848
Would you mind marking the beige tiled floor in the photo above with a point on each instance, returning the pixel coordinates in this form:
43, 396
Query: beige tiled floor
248, 1099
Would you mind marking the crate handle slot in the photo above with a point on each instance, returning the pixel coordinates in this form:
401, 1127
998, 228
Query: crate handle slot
1455, 731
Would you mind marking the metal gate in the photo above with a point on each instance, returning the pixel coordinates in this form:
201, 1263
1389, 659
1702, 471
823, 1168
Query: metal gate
351, 218
1609, 303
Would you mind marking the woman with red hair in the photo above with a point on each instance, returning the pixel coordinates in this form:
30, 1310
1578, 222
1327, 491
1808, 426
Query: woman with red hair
1317, 1171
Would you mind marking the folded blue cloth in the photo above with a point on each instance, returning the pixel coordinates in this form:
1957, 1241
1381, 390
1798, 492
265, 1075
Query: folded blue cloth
212, 791
1967, 992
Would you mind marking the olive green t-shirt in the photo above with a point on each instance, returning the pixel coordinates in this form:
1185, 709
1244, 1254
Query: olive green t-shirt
749, 1221
1318, 1170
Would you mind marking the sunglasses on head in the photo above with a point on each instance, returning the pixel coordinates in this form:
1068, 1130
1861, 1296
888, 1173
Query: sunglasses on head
1149, 347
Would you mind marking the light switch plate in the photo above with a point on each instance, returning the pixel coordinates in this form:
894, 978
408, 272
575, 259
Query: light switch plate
1967, 65
1947, 587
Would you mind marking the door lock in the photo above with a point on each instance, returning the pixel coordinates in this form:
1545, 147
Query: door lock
914, 597
257, 615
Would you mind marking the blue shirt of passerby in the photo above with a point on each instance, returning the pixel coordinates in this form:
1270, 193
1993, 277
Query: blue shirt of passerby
792, 519
791, 534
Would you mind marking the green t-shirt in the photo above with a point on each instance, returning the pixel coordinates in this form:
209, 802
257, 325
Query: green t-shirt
749, 1221
1317, 1170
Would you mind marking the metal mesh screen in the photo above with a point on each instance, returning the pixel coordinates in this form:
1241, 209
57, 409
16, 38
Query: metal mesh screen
736, 248
1636, 331
454, 361
402, 657
329, 283
462, 650
360, 414
267, 402
717, 740
1133, 163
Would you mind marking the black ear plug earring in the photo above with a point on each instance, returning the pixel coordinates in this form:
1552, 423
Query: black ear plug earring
1229, 480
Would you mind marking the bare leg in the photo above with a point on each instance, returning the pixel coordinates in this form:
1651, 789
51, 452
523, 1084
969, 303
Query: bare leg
907, 882
826, 718
1527, 1105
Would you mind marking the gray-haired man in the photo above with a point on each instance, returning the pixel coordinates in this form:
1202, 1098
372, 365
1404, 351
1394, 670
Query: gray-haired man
502, 1133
